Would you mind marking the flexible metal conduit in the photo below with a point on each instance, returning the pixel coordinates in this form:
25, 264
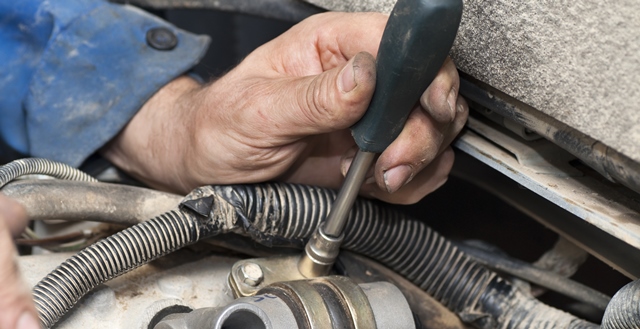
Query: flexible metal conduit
36, 166
109, 258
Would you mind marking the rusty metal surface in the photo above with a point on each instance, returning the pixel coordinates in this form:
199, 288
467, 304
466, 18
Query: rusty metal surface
338, 302
274, 269
311, 298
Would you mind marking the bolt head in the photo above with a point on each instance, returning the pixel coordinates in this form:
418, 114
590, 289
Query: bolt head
251, 274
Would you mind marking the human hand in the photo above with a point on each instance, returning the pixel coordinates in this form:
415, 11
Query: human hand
284, 113
16, 306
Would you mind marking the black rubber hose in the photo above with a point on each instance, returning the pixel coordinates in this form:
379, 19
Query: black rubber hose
624, 310
275, 214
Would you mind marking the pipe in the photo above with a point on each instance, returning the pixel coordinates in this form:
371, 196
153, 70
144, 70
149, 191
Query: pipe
549, 280
282, 214
279, 214
429, 313
89, 201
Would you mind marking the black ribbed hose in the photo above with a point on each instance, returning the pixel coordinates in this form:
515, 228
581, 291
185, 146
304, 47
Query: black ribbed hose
623, 311
275, 214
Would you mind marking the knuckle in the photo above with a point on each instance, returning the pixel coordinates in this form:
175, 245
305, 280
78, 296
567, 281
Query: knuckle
316, 104
451, 69
437, 104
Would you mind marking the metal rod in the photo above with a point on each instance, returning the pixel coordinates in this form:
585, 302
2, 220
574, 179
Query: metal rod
322, 249
339, 212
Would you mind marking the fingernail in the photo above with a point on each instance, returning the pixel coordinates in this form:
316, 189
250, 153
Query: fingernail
451, 101
460, 107
348, 78
344, 166
397, 177
27, 321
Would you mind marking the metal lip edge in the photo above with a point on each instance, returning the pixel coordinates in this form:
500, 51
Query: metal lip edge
593, 212
610, 163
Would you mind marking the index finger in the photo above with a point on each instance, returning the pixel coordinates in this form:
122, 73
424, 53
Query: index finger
18, 310
336, 37
356, 33
13, 215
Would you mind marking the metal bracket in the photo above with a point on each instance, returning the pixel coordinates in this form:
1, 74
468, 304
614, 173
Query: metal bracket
248, 276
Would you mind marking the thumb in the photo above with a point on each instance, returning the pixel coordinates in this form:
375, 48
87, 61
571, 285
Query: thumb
333, 100
18, 311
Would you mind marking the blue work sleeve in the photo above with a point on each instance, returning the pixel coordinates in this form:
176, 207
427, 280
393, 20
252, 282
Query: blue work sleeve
74, 72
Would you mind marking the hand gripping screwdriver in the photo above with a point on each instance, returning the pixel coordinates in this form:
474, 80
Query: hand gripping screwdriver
414, 45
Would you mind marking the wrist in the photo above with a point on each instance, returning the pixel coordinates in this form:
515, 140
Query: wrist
153, 146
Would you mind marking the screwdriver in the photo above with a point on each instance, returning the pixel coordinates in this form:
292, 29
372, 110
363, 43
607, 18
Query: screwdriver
414, 45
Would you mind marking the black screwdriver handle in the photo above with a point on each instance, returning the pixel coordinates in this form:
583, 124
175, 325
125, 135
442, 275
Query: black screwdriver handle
415, 43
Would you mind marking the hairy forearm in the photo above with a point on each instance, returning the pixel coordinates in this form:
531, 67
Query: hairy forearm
151, 147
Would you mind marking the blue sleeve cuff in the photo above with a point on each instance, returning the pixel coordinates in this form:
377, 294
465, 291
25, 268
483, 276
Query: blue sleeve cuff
96, 72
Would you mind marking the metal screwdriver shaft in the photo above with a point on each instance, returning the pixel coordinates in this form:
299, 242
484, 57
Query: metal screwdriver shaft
323, 248
337, 218
415, 43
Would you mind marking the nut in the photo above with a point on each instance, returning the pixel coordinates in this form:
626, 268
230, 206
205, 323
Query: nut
251, 274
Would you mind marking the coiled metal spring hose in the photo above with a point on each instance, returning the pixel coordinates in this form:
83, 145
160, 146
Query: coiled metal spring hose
109, 258
36, 166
